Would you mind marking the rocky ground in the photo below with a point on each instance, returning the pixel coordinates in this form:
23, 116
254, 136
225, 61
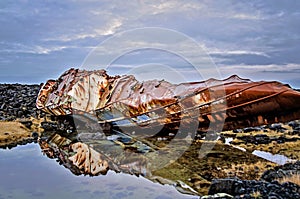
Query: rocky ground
277, 138
18, 114
18, 101
225, 169
280, 182
275, 182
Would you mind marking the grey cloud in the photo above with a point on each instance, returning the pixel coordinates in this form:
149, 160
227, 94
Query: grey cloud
39, 39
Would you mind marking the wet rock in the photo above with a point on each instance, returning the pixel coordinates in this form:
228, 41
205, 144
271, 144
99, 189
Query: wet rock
293, 124
280, 140
251, 129
237, 130
2, 105
35, 135
223, 186
270, 175
277, 127
261, 139
257, 139
293, 132
49, 126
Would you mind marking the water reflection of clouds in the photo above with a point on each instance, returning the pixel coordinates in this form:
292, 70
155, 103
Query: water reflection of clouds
26, 173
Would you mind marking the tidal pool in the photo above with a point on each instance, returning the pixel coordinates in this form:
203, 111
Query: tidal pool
26, 173
276, 158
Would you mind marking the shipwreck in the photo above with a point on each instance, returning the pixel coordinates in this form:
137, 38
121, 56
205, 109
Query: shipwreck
126, 103
140, 119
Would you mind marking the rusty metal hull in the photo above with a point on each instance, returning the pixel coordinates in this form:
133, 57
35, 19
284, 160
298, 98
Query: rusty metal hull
127, 103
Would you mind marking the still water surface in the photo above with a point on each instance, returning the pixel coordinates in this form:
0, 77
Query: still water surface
26, 173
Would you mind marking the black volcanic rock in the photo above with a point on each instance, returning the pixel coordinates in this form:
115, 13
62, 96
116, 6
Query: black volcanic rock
18, 101
246, 188
281, 171
267, 187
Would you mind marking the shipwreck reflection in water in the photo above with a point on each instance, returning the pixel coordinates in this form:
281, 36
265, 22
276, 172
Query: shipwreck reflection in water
92, 154
26, 173
95, 154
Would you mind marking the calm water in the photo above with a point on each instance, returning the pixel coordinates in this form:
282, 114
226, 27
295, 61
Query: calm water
26, 173
277, 158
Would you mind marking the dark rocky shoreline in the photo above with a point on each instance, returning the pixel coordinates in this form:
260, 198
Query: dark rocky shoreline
267, 187
17, 103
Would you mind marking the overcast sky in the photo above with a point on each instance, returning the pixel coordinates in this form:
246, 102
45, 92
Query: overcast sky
257, 39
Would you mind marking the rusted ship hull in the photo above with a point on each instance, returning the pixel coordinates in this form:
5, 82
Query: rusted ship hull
126, 103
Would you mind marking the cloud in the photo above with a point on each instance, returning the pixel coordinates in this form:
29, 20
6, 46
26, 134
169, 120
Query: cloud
243, 16
31, 49
288, 68
236, 52
259, 34
110, 28
286, 73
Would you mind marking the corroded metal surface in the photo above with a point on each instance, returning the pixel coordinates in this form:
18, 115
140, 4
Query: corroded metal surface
125, 102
